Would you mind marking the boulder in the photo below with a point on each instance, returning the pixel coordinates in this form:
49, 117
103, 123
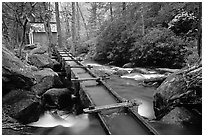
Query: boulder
42, 61
57, 98
121, 72
45, 79
39, 50
15, 73
128, 65
22, 105
140, 70
10, 126
183, 88
31, 46
180, 116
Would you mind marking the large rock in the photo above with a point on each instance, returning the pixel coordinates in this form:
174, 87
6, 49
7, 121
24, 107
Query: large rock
57, 98
10, 126
120, 71
183, 88
15, 73
39, 50
42, 61
179, 116
31, 46
46, 79
22, 105
128, 65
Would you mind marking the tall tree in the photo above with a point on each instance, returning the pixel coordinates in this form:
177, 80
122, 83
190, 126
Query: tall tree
124, 6
78, 21
111, 11
46, 18
142, 16
25, 21
87, 34
66, 16
59, 33
73, 49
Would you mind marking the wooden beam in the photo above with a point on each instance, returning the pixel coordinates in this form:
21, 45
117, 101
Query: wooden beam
73, 60
85, 79
81, 66
96, 109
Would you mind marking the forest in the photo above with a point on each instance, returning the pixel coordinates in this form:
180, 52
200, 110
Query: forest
145, 34
66, 64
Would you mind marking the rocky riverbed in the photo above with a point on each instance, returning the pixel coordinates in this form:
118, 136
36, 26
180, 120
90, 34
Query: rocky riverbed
147, 84
171, 99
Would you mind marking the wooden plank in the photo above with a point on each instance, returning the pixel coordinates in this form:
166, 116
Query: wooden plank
81, 67
73, 60
85, 79
112, 106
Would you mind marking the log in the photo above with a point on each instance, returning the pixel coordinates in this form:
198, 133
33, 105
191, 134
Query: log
85, 79
81, 66
112, 106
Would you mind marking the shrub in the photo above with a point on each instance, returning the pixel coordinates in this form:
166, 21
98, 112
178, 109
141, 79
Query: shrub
159, 48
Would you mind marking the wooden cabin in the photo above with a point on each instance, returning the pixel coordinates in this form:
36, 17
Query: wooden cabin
37, 33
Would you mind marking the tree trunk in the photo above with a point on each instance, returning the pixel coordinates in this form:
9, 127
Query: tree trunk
23, 36
111, 11
59, 34
78, 22
94, 7
200, 31
87, 34
124, 6
48, 30
66, 18
73, 48
143, 26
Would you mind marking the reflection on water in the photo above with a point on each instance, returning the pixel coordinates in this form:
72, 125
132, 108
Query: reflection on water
146, 109
129, 89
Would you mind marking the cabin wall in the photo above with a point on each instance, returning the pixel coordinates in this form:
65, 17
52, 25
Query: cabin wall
41, 37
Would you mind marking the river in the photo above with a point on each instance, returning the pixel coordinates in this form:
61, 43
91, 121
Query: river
62, 123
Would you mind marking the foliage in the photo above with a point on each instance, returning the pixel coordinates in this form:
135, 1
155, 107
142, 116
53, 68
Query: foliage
150, 34
14, 15
160, 48
183, 22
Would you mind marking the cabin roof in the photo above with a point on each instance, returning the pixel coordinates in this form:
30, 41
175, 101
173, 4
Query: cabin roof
39, 27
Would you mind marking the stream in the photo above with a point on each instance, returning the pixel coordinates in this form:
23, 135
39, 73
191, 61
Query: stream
59, 123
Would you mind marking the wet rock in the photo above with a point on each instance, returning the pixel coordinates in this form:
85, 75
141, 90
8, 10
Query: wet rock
39, 50
140, 70
22, 105
46, 79
128, 65
182, 88
120, 71
57, 98
10, 126
15, 73
42, 61
180, 116
31, 46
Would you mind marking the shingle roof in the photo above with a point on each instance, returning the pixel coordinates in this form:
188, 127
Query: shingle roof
39, 27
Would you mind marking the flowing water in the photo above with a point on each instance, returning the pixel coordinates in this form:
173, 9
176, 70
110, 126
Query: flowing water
52, 123
131, 89
59, 123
